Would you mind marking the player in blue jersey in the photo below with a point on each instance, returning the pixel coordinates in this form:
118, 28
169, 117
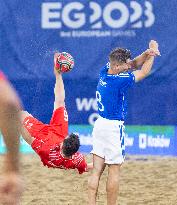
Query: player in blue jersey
108, 133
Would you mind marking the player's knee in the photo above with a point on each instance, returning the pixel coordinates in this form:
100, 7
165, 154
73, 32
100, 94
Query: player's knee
10, 107
24, 114
93, 182
9, 99
97, 171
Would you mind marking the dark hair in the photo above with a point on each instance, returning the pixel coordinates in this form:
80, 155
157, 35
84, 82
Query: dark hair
120, 55
71, 145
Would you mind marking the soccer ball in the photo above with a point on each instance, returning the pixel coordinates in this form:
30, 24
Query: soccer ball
64, 62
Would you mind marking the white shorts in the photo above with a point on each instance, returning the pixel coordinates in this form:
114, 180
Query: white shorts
108, 140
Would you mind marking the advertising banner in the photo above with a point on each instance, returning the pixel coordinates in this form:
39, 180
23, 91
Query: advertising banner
139, 140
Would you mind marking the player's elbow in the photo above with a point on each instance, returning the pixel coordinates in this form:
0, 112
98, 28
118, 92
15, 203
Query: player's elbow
60, 103
145, 73
141, 75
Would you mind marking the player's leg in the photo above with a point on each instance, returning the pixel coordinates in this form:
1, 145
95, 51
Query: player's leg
10, 121
24, 132
33, 130
93, 182
59, 90
11, 185
112, 186
98, 161
114, 157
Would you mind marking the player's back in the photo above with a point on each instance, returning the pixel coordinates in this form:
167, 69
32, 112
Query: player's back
111, 94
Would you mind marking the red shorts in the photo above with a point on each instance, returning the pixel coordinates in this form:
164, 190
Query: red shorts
51, 133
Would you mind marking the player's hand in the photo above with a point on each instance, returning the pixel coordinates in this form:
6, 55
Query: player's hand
11, 189
153, 44
56, 69
89, 166
154, 48
151, 52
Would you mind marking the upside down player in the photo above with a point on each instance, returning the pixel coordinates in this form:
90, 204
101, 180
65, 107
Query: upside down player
11, 185
51, 141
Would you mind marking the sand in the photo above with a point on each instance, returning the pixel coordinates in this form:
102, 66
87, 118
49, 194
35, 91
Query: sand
144, 180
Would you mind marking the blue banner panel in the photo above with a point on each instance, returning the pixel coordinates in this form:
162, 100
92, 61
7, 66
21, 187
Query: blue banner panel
85, 136
139, 140
31, 31
151, 140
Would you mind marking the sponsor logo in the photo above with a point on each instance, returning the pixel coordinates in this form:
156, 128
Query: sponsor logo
159, 141
88, 104
102, 83
128, 141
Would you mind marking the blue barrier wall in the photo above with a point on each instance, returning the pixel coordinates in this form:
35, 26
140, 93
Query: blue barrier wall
30, 32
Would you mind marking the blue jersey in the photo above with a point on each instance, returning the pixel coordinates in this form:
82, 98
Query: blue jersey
111, 94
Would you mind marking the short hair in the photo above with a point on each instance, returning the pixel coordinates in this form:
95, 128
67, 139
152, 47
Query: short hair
71, 145
120, 55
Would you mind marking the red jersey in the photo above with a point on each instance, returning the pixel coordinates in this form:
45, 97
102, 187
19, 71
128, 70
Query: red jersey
48, 138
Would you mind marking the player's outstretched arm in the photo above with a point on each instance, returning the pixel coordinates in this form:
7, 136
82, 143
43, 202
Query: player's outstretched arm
139, 60
147, 65
59, 89
145, 70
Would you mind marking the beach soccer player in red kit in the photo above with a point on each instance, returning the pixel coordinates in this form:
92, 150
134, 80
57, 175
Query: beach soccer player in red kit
56, 148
